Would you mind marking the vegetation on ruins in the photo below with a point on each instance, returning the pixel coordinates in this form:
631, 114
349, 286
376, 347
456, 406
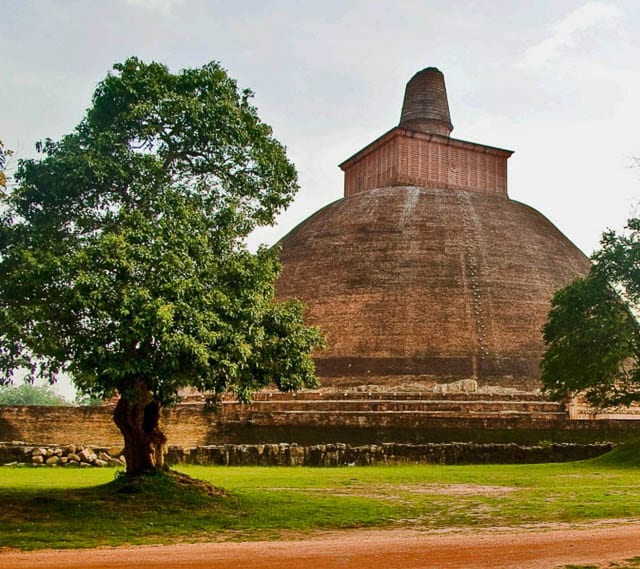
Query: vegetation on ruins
592, 333
124, 258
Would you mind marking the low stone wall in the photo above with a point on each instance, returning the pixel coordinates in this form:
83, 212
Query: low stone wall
285, 454
20, 453
385, 454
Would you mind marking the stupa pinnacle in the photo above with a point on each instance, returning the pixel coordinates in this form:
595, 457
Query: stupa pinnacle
426, 108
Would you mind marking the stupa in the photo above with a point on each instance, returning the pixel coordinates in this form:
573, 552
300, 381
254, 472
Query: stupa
426, 272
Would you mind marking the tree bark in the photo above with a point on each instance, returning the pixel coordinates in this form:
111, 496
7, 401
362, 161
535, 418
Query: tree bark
139, 423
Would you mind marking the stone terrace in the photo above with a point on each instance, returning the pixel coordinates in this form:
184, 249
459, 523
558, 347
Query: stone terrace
321, 417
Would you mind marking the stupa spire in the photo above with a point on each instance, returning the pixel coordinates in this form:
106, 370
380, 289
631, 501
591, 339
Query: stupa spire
425, 107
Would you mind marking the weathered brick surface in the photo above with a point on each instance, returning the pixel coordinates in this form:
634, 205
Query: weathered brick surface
425, 107
426, 271
185, 424
320, 418
428, 285
58, 425
407, 158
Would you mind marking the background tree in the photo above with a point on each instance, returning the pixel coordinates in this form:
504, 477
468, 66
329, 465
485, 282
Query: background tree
4, 155
592, 333
30, 394
123, 252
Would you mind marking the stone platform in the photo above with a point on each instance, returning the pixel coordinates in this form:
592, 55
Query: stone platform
327, 417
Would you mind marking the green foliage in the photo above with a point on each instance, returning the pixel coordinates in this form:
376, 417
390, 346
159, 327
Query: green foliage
4, 154
83, 400
29, 394
123, 248
592, 332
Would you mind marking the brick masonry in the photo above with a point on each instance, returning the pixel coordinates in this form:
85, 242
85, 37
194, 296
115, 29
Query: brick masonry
428, 285
407, 158
321, 418
426, 272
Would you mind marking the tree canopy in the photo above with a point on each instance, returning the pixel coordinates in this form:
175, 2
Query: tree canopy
592, 333
124, 258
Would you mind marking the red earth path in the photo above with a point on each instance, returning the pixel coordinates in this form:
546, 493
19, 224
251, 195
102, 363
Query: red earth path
365, 549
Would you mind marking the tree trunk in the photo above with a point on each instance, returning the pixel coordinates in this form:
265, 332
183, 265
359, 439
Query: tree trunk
139, 423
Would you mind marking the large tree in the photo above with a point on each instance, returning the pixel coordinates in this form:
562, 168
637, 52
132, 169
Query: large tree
123, 252
592, 333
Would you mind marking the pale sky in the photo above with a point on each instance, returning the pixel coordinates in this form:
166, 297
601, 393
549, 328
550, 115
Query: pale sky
554, 80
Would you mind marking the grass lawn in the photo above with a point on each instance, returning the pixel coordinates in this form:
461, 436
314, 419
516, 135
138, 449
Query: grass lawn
56, 507
629, 564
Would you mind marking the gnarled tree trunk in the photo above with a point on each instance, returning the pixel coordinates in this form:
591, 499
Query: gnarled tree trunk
139, 423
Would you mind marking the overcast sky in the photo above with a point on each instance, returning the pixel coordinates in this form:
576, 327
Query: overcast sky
556, 81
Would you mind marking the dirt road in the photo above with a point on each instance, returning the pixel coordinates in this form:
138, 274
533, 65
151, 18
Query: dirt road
398, 549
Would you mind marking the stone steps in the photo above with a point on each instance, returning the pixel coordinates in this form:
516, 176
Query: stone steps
442, 414
264, 396
422, 420
380, 409
439, 413
406, 406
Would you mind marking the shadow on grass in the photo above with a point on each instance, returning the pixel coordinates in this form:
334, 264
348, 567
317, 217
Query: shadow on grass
169, 509
119, 512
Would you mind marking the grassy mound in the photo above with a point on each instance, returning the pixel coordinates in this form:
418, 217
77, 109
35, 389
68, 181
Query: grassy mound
123, 511
166, 483
626, 455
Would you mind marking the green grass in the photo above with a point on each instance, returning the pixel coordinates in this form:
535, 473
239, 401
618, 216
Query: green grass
44, 507
624, 456
628, 564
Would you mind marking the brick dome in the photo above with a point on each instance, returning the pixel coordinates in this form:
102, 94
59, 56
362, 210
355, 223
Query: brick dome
426, 272
427, 285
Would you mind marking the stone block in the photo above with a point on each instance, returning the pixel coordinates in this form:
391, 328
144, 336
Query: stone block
87, 455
